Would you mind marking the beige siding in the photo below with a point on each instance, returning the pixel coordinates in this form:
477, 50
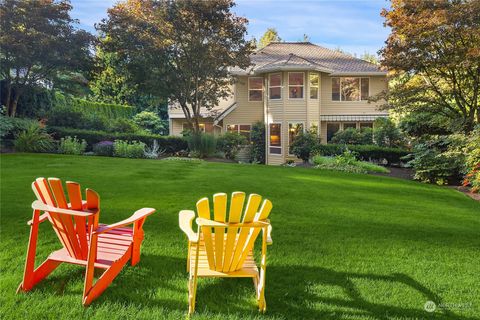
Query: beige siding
246, 112
176, 126
329, 107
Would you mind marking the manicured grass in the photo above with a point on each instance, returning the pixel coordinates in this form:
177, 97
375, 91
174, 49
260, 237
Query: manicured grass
349, 246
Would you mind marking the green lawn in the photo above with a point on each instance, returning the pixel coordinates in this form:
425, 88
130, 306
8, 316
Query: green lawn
346, 246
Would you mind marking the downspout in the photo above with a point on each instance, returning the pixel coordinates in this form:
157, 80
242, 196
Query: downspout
265, 117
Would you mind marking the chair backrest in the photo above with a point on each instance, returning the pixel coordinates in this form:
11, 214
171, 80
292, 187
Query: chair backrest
227, 248
73, 231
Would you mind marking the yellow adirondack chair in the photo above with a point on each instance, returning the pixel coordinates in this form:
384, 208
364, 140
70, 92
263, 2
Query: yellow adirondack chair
224, 248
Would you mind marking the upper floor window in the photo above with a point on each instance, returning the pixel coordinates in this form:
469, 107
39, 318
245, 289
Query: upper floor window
314, 85
255, 89
295, 85
275, 86
350, 89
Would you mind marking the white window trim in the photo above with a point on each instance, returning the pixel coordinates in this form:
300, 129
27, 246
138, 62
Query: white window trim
360, 96
238, 129
248, 91
280, 86
303, 86
310, 86
281, 141
288, 128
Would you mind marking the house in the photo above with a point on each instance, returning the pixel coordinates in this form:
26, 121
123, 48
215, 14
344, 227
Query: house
292, 87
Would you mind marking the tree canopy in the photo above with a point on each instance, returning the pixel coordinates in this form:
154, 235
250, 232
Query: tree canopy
271, 35
37, 43
181, 50
434, 54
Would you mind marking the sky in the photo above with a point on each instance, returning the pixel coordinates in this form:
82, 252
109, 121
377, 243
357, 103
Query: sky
354, 26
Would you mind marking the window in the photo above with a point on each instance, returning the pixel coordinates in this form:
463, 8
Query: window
350, 89
275, 138
314, 84
294, 129
364, 125
349, 125
275, 86
332, 128
295, 85
255, 89
243, 129
186, 127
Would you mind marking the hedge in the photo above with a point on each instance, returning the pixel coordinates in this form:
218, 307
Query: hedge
169, 143
109, 110
365, 152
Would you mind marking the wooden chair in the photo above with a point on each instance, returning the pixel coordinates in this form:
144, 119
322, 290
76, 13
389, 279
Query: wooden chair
223, 248
85, 241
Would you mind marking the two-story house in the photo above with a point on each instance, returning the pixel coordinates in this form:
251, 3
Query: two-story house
293, 87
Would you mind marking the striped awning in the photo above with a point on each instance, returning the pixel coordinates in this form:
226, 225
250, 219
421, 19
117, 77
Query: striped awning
363, 117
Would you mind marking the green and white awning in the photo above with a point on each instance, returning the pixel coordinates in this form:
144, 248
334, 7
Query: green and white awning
363, 117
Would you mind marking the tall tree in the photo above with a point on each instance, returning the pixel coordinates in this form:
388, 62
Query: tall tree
433, 52
181, 50
38, 41
369, 57
271, 35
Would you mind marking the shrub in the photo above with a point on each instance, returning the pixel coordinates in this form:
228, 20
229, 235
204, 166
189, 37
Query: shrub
34, 139
354, 136
472, 151
103, 148
126, 149
230, 143
150, 122
304, 144
170, 144
201, 145
347, 162
386, 134
123, 125
364, 152
439, 159
154, 152
69, 145
257, 138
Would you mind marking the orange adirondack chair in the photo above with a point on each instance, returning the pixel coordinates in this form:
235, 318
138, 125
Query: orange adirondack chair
85, 241
224, 249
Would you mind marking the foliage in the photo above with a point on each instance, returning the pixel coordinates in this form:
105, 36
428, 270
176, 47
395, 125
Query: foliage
230, 143
271, 35
439, 159
150, 122
418, 124
257, 138
386, 133
180, 50
34, 102
434, 55
354, 136
364, 152
69, 145
154, 152
38, 41
171, 144
201, 145
304, 144
123, 125
372, 58
33, 139
348, 163
103, 148
472, 153
128, 149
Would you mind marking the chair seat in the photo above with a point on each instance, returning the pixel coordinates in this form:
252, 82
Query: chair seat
112, 246
249, 268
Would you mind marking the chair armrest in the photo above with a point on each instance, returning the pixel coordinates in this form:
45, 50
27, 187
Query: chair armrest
42, 218
139, 214
185, 218
38, 205
211, 223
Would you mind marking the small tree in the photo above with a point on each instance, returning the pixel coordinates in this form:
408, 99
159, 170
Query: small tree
386, 133
37, 44
257, 138
304, 144
271, 35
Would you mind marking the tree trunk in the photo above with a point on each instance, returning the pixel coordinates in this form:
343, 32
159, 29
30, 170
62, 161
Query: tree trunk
13, 107
9, 95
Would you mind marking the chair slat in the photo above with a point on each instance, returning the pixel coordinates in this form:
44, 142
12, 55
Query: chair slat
59, 195
75, 197
47, 197
253, 203
220, 212
261, 215
203, 209
236, 207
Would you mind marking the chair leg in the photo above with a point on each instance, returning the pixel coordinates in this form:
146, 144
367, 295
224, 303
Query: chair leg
34, 277
192, 294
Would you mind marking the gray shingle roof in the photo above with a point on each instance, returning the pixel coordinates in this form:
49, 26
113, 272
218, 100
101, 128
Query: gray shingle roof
279, 56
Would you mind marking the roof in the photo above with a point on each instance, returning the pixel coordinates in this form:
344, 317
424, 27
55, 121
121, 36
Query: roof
282, 56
